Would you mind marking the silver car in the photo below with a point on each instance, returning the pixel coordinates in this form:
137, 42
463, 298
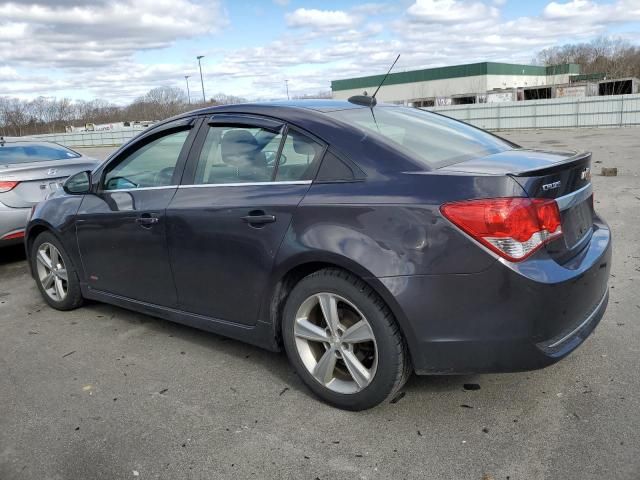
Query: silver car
29, 172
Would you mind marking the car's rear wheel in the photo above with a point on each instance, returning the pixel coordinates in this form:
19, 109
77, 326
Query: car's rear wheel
343, 340
54, 273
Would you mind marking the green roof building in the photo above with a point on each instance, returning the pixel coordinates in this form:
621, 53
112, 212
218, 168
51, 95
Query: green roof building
425, 87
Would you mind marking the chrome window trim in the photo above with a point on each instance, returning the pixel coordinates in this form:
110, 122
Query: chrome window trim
246, 184
164, 187
567, 201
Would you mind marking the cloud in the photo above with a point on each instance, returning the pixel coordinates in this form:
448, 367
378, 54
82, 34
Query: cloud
621, 11
99, 33
449, 11
373, 8
101, 48
8, 73
321, 19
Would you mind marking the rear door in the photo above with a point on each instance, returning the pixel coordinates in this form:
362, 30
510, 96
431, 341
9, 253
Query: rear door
244, 180
121, 229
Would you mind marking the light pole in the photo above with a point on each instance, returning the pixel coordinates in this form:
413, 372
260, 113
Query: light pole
204, 100
186, 77
286, 82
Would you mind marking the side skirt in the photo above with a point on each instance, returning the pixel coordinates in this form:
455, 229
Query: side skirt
261, 334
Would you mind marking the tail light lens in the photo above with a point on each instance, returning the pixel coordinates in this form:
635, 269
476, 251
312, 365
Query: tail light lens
5, 186
514, 228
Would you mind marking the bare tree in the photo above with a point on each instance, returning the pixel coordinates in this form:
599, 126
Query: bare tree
224, 99
615, 58
310, 96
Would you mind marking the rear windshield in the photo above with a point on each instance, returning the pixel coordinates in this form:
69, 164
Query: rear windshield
432, 139
12, 153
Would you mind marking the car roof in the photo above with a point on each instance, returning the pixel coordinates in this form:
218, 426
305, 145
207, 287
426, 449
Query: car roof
319, 105
36, 143
311, 115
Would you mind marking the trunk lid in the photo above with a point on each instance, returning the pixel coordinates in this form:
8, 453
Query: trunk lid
564, 176
37, 180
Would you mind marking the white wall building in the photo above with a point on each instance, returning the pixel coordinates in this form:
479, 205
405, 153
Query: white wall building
433, 85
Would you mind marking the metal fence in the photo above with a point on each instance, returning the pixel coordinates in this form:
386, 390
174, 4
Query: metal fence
90, 139
605, 111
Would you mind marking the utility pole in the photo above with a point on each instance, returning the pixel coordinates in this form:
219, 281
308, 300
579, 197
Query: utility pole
186, 77
204, 99
286, 82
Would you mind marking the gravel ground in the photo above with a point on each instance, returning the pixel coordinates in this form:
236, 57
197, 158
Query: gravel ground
103, 393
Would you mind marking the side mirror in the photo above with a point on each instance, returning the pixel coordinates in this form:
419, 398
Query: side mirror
78, 184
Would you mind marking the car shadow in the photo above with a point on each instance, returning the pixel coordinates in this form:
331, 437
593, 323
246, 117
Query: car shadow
12, 254
276, 363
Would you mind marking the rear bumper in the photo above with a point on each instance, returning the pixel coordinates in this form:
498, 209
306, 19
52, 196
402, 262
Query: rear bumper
511, 317
12, 220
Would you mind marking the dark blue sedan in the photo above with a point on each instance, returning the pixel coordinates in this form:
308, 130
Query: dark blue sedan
368, 242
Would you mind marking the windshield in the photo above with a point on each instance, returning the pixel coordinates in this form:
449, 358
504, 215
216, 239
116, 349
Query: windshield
11, 153
434, 140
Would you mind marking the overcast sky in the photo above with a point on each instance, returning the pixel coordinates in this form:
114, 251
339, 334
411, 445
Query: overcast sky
119, 49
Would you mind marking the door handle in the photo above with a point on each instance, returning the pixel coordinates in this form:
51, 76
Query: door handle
146, 220
258, 217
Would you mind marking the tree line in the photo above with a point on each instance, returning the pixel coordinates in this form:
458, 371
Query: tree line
614, 58
20, 117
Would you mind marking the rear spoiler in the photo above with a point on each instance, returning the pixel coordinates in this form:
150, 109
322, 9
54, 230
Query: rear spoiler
582, 158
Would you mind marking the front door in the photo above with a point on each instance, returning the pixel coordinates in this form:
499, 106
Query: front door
228, 219
121, 229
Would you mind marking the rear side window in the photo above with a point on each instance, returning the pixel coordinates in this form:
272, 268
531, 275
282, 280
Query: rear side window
232, 154
25, 153
244, 154
333, 169
434, 140
299, 158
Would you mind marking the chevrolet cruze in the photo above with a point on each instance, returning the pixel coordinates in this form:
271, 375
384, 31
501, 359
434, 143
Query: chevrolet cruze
368, 242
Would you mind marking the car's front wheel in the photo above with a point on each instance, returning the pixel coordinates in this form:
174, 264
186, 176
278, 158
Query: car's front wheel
343, 340
54, 273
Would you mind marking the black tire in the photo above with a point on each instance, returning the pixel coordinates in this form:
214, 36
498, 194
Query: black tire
73, 298
393, 363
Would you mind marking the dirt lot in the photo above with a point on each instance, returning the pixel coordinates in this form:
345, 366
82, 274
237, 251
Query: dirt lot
105, 393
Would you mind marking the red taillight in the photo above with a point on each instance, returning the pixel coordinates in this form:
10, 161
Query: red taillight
512, 227
5, 186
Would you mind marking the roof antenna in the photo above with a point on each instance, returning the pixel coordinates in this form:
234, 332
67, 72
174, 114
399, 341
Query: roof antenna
371, 101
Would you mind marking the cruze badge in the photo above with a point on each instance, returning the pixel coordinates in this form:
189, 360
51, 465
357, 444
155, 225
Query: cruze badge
585, 174
551, 186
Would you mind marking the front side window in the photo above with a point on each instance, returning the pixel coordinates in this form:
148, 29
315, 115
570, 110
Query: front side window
149, 166
434, 140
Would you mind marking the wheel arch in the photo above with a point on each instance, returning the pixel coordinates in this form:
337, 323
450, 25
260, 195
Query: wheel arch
33, 232
285, 279
37, 228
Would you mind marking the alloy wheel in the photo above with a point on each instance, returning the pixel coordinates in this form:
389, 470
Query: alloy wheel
336, 343
52, 272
